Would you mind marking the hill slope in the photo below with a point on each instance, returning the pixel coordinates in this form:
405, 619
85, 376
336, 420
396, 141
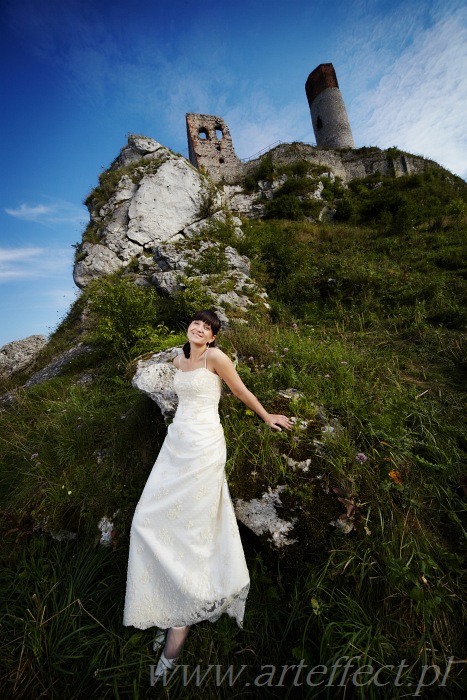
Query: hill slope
362, 343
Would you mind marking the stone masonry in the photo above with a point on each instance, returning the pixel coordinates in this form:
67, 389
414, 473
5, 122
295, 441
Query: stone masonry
210, 146
327, 108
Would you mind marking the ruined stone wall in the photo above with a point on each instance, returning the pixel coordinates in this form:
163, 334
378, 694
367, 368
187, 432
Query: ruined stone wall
210, 146
347, 164
328, 113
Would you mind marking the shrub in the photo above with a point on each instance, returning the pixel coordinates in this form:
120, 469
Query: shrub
286, 206
125, 316
192, 298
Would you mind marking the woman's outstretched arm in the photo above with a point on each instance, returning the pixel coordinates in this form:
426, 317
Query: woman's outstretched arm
224, 367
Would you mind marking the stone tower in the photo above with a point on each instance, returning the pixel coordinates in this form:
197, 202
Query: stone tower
328, 113
210, 146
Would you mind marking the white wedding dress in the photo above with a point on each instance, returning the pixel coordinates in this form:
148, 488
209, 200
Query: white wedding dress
186, 561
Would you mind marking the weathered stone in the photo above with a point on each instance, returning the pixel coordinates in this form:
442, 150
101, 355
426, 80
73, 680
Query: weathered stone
98, 262
260, 515
168, 282
210, 146
203, 226
165, 203
154, 376
58, 364
139, 147
20, 354
239, 201
239, 262
347, 164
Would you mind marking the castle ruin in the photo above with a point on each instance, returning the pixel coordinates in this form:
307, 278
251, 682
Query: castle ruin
210, 144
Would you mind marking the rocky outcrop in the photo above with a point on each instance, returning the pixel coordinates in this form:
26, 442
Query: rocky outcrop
156, 194
20, 354
156, 224
153, 216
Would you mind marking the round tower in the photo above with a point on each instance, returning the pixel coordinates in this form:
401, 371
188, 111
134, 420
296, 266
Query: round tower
327, 108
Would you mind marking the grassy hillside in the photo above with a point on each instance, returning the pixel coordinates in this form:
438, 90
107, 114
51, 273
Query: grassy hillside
367, 324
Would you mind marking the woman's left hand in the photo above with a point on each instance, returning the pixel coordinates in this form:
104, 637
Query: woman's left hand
278, 422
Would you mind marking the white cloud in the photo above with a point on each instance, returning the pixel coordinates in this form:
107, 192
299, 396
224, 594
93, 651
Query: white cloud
27, 263
58, 211
8, 255
415, 96
30, 213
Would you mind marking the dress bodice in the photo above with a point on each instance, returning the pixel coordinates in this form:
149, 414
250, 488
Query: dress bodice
198, 392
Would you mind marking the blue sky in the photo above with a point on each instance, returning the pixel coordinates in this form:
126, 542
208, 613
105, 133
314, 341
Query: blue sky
79, 75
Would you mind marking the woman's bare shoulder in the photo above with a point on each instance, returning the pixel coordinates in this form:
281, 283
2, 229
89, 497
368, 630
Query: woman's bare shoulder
217, 354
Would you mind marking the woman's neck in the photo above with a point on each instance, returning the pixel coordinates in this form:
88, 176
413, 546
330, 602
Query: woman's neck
197, 354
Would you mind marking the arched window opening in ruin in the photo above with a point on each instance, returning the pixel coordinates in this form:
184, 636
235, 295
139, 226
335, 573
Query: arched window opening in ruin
221, 160
203, 134
319, 123
219, 132
218, 147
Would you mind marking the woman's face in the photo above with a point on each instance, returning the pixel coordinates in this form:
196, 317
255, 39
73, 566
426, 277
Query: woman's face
200, 333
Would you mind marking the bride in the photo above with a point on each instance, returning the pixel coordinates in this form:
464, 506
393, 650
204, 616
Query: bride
186, 562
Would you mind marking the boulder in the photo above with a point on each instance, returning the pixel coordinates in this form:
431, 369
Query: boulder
20, 354
154, 376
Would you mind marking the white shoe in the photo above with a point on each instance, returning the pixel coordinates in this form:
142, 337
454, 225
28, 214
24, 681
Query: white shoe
164, 665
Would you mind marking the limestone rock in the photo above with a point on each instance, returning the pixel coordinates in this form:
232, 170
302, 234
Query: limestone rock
202, 226
139, 147
98, 261
20, 354
58, 364
260, 515
236, 261
165, 203
154, 377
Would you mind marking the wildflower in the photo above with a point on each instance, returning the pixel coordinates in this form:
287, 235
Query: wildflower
69, 493
395, 476
33, 456
361, 457
327, 376
315, 606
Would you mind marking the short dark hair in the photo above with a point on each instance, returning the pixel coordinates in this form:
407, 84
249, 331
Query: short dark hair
209, 317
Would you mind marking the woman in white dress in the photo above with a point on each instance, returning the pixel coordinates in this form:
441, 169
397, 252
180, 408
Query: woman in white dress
186, 561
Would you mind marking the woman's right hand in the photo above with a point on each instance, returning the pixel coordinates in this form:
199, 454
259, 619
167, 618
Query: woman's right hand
277, 421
